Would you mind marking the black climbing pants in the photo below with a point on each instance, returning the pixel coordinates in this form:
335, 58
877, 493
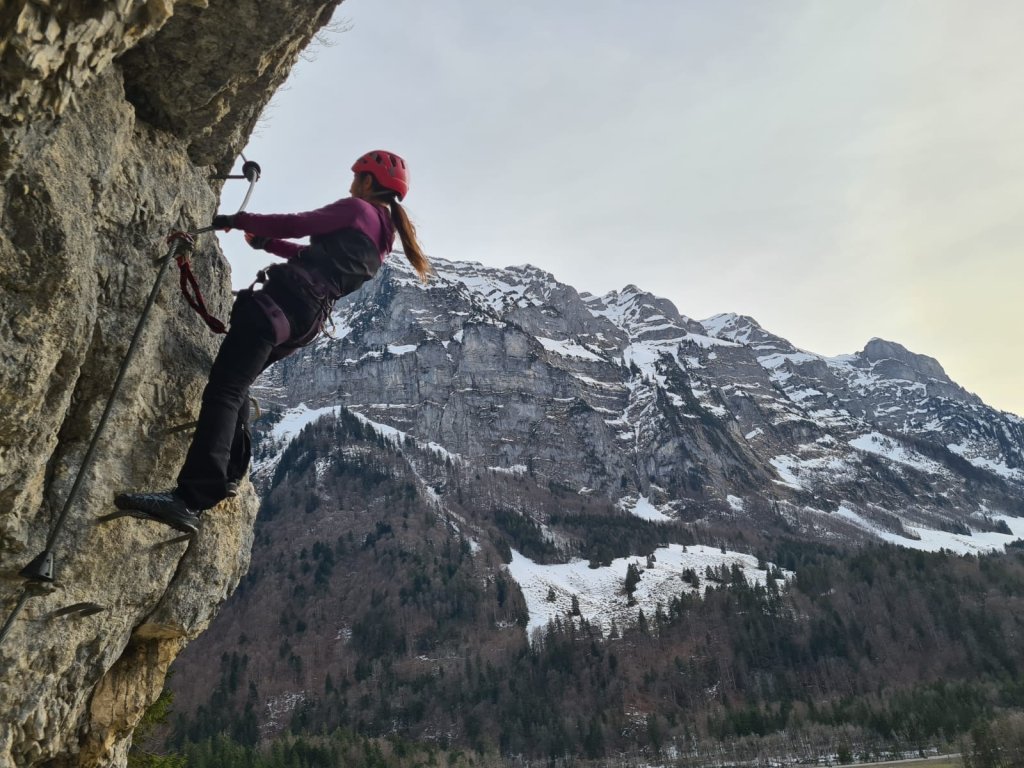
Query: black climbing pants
220, 449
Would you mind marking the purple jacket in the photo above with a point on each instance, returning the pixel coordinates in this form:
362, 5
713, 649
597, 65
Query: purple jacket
347, 213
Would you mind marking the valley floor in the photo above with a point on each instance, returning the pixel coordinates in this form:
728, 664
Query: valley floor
939, 761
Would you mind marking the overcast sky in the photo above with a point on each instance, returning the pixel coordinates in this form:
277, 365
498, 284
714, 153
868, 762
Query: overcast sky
837, 170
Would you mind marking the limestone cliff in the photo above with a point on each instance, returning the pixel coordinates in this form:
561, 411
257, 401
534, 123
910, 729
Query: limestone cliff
113, 118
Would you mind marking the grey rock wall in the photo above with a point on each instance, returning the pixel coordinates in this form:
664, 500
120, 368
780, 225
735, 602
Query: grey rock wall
102, 154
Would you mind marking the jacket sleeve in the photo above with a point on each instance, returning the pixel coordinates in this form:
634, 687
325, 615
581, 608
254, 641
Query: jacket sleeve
283, 248
338, 215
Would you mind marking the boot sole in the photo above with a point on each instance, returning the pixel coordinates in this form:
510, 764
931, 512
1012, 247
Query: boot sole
188, 528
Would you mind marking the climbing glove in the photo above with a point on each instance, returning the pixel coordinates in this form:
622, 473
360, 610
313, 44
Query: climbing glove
256, 241
224, 222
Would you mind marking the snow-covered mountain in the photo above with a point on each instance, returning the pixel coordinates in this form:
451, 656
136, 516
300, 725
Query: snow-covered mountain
494, 467
623, 397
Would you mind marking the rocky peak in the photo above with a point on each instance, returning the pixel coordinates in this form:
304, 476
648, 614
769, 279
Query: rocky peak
731, 326
642, 315
894, 361
879, 350
744, 329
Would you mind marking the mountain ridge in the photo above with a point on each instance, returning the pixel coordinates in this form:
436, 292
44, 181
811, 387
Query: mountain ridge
591, 344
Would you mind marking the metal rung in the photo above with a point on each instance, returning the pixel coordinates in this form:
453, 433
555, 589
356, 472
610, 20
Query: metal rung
176, 429
175, 540
78, 610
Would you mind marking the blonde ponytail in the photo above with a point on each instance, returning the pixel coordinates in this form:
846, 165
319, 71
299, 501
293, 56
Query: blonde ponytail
407, 234
405, 229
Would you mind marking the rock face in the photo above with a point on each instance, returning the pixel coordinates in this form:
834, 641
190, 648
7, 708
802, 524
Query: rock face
113, 117
624, 396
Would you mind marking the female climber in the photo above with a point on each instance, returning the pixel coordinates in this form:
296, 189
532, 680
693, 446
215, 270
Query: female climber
349, 240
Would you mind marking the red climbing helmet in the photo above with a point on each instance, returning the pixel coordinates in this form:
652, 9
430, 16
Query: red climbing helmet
387, 168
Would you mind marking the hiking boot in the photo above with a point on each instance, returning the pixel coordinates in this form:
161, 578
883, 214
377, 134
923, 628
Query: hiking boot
165, 507
231, 488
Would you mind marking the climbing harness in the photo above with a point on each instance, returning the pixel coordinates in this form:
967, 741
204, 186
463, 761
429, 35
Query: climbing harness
40, 574
303, 281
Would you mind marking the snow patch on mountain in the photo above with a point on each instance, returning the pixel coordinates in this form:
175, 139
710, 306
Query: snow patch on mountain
601, 594
932, 540
402, 349
707, 342
339, 327
895, 451
291, 423
643, 508
518, 470
785, 466
776, 360
804, 472
567, 348
398, 438
295, 419
969, 452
